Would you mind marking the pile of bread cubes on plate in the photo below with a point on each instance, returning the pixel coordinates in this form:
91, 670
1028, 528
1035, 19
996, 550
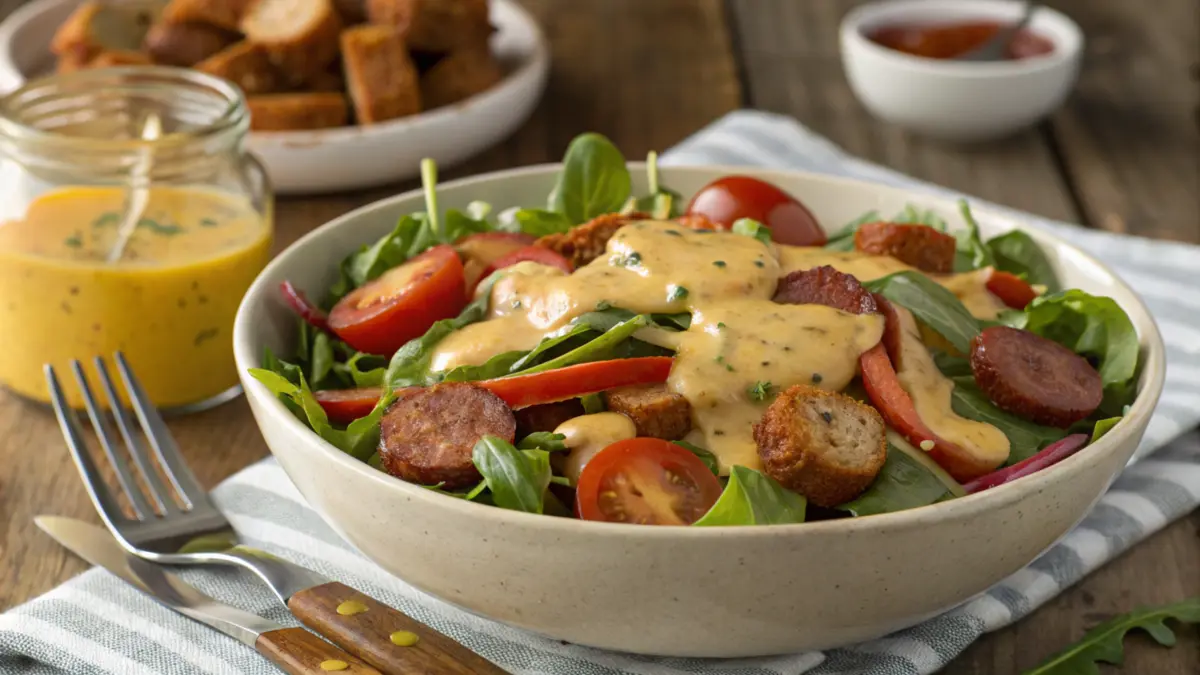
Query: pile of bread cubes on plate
303, 64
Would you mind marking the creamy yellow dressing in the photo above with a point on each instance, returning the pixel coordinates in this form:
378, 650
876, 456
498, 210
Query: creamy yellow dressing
931, 391
971, 289
587, 435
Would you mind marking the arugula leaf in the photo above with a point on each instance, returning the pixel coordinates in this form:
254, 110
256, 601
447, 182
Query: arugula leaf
1103, 427
1104, 642
322, 358
902, 484
709, 459
516, 478
1095, 327
843, 239
411, 235
543, 440
410, 364
753, 498
932, 304
1016, 252
459, 225
372, 376
972, 254
752, 228
540, 222
357, 440
594, 179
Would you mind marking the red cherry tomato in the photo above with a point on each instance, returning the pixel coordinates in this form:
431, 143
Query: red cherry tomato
521, 391
480, 250
727, 199
535, 254
382, 315
303, 306
1011, 289
646, 481
347, 405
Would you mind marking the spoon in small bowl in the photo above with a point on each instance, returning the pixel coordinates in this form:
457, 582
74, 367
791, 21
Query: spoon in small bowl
996, 47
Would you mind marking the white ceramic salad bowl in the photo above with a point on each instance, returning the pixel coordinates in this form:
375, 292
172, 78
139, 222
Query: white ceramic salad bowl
713, 592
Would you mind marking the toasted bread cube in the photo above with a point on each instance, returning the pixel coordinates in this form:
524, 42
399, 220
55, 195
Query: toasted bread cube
330, 80
380, 76
96, 27
246, 65
185, 44
656, 411
459, 76
291, 112
300, 36
225, 14
434, 25
353, 12
116, 58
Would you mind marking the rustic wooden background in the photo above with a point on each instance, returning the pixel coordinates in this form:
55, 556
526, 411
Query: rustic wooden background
1122, 155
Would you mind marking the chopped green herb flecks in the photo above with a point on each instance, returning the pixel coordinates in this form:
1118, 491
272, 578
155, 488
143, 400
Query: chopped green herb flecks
827, 416
603, 305
106, 219
759, 391
632, 259
208, 222
816, 378
204, 336
677, 293
759, 263
73, 241
719, 263
720, 325
165, 229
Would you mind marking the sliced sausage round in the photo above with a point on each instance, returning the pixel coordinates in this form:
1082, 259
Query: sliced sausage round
1033, 377
428, 436
918, 245
825, 286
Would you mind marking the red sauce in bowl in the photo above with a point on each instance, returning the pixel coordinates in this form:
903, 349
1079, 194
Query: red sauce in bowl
950, 40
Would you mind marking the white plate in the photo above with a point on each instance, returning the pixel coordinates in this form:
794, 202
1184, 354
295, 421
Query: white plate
328, 160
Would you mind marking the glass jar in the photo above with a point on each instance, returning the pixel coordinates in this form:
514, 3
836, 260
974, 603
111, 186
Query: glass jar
131, 218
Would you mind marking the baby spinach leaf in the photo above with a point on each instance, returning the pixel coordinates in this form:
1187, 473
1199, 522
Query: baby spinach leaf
411, 235
1016, 252
594, 180
497, 366
911, 215
516, 478
322, 358
972, 253
709, 459
366, 370
902, 484
680, 321
753, 498
596, 349
1104, 642
357, 440
1103, 427
540, 222
932, 304
459, 225
1024, 437
752, 228
549, 344
843, 239
543, 440
1095, 327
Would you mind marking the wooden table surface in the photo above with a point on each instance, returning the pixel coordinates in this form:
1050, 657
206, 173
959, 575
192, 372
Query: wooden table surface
1121, 155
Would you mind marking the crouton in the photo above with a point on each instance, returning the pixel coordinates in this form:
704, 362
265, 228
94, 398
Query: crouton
112, 59
547, 416
225, 14
300, 36
459, 76
655, 411
185, 44
584, 243
434, 25
823, 445
380, 75
246, 65
330, 80
353, 12
96, 27
288, 112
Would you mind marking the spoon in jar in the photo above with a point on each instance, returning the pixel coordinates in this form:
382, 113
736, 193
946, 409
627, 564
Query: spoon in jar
995, 49
139, 188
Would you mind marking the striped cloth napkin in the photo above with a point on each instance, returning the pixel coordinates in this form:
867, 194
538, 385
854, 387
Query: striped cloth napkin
96, 624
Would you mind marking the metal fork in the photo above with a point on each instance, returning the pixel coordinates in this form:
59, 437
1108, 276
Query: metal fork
195, 532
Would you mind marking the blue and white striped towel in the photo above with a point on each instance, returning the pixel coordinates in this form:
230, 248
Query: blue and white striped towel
97, 624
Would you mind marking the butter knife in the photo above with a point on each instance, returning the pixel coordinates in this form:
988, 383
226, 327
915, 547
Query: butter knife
294, 650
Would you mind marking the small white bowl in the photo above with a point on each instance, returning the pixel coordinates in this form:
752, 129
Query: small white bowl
957, 100
345, 158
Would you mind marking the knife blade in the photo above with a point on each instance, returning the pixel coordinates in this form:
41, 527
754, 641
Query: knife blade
97, 546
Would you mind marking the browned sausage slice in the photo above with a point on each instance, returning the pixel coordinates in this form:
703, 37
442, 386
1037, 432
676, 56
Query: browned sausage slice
825, 286
428, 436
1034, 377
584, 243
546, 416
822, 444
918, 245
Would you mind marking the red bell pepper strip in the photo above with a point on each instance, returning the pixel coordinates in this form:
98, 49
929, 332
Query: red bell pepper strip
1048, 456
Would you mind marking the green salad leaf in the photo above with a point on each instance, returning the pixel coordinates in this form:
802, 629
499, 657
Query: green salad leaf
543, 440
1103, 427
1025, 438
1104, 643
750, 227
413, 234
593, 403
662, 202
931, 303
517, 479
753, 498
1095, 327
911, 215
972, 253
709, 459
594, 180
1017, 253
843, 239
594, 350
902, 484
540, 222
497, 366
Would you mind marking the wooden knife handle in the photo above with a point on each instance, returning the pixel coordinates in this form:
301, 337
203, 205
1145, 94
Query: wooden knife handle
383, 637
299, 652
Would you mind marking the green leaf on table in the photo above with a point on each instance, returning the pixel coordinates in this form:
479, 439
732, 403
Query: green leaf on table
1017, 253
972, 253
1095, 327
594, 180
358, 439
709, 459
902, 484
749, 227
540, 222
932, 304
1104, 643
753, 498
516, 478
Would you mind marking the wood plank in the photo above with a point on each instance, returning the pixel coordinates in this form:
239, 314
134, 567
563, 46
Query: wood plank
1128, 135
791, 65
600, 81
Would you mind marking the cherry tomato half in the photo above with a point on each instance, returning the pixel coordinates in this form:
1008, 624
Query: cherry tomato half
347, 405
299, 302
480, 250
728, 199
646, 481
1011, 289
383, 314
